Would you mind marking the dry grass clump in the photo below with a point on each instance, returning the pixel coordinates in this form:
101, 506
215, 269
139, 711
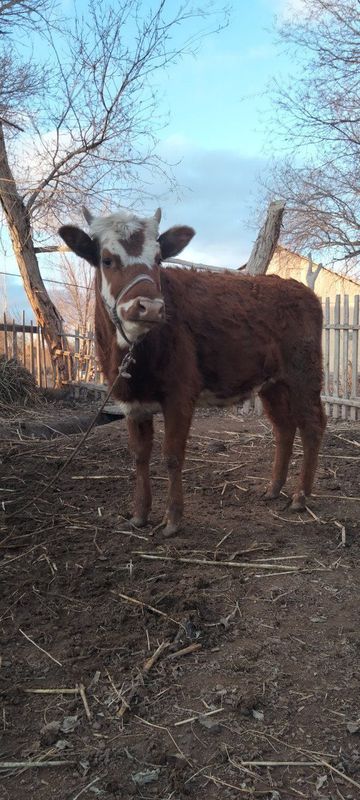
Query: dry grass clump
17, 385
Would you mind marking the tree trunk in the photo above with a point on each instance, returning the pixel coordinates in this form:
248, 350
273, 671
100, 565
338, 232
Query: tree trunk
18, 220
266, 241
312, 274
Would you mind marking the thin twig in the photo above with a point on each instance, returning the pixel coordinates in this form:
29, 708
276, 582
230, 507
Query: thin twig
85, 788
197, 716
31, 764
145, 670
208, 563
191, 648
53, 691
166, 730
145, 605
253, 792
41, 648
84, 699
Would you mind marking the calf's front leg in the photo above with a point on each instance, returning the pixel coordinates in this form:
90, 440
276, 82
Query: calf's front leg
140, 444
177, 424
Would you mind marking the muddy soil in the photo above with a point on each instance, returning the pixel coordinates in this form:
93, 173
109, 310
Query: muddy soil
251, 614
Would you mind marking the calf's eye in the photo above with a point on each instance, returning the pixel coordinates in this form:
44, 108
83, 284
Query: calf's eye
106, 262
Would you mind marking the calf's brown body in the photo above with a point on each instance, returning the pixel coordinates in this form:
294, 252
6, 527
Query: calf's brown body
200, 338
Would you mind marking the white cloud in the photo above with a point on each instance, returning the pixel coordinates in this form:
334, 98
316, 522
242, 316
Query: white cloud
218, 192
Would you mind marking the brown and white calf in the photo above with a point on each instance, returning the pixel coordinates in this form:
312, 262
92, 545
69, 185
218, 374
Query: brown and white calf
199, 338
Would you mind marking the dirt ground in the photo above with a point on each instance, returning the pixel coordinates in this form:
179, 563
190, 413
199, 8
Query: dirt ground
266, 701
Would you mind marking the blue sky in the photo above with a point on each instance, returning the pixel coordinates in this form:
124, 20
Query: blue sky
217, 105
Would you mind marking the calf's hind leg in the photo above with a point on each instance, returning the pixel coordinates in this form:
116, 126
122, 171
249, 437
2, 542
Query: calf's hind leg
312, 423
140, 444
277, 408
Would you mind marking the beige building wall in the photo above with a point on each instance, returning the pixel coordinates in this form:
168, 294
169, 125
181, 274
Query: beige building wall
328, 283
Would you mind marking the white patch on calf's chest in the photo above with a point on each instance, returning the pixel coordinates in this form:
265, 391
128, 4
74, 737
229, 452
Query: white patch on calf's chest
137, 410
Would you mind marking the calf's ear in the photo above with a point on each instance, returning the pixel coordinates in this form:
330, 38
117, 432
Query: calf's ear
80, 243
174, 240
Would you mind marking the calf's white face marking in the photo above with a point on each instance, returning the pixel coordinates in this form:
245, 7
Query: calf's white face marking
113, 232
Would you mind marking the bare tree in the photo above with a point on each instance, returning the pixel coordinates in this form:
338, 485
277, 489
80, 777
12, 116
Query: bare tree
20, 79
96, 129
318, 122
76, 300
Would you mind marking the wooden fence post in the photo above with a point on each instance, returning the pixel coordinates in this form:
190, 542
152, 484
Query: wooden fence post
23, 339
327, 354
355, 357
345, 356
14, 340
38, 356
6, 337
44, 357
336, 379
32, 354
77, 370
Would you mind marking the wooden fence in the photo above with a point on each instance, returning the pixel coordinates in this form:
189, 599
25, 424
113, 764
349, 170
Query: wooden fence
341, 357
26, 342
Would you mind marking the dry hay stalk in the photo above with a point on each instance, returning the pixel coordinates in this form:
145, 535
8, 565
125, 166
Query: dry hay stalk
17, 385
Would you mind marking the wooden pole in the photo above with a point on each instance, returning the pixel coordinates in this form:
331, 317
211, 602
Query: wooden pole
264, 247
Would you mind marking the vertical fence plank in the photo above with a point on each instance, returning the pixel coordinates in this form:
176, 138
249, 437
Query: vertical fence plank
89, 353
336, 378
355, 358
38, 356
32, 354
77, 346
327, 354
43, 350
23, 339
345, 356
6, 343
14, 340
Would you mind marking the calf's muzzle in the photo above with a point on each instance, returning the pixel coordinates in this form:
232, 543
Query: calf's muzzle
145, 310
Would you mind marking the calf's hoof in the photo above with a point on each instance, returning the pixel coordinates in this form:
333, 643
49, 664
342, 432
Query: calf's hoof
171, 528
298, 502
134, 522
271, 493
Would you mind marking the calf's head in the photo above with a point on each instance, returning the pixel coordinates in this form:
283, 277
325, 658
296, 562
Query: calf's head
127, 251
